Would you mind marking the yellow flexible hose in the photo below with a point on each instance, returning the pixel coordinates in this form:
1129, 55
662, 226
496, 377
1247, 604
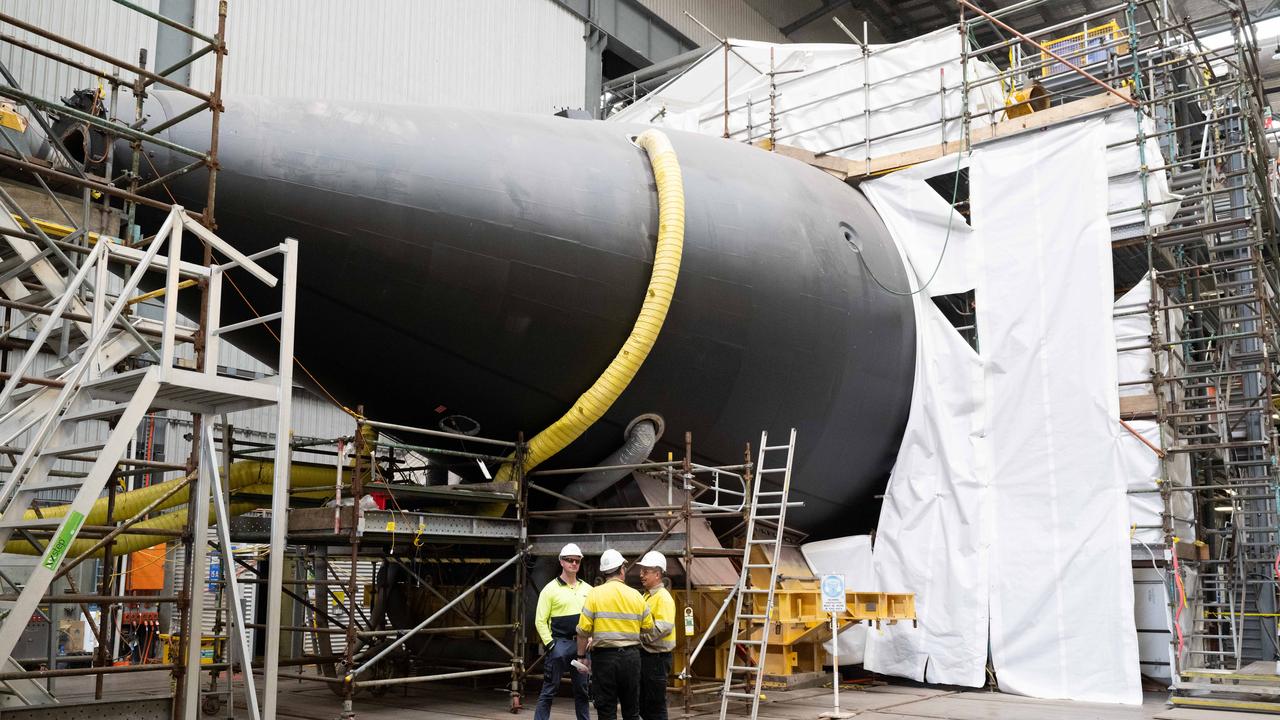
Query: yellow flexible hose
250, 477
593, 403
129, 543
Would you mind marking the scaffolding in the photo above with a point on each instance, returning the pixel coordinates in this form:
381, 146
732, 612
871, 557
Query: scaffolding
1213, 315
83, 191
404, 583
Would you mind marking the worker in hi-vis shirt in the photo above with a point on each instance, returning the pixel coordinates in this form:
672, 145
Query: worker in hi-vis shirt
614, 619
556, 620
655, 653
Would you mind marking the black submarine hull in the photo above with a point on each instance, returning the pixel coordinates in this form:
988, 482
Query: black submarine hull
487, 267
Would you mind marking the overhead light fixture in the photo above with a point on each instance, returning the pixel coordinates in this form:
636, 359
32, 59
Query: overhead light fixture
1223, 508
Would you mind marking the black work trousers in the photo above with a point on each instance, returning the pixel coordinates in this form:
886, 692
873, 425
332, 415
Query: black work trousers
655, 668
615, 679
559, 655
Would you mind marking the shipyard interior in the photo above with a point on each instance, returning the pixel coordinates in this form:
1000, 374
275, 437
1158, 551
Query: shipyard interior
770, 359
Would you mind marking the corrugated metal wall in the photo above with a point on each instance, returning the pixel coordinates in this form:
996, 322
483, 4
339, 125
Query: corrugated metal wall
726, 18
313, 417
518, 55
105, 26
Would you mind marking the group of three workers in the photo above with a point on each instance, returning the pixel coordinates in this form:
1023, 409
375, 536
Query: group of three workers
630, 637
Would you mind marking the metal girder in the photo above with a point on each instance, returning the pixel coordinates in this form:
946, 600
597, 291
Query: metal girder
884, 16
627, 543
827, 7
635, 33
887, 22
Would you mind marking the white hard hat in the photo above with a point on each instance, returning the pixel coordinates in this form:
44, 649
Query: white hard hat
610, 560
571, 550
653, 558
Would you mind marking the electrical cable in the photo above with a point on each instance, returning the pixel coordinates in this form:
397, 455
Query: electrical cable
955, 193
1164, 580
1182, 597
255, 312
297, 361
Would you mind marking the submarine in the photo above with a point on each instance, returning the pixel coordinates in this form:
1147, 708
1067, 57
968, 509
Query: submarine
476, 271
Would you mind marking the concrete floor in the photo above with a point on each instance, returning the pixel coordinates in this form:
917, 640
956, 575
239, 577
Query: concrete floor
307, 701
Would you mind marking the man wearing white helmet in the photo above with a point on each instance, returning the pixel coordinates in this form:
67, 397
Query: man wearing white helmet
556, 621
655, 649
613, 618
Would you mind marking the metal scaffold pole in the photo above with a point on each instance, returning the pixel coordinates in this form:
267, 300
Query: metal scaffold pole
108, 200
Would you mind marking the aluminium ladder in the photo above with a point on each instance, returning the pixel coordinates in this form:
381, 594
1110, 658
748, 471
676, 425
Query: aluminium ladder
768, 506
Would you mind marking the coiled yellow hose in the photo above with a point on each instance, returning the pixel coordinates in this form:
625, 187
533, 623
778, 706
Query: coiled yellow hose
593, 403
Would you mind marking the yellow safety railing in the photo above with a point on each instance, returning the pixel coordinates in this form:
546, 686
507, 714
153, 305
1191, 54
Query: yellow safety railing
1081, 48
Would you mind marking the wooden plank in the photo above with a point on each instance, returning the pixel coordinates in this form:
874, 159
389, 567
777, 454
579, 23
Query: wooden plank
1217, 687
844, 168
1135, 406
705, 571
1191, 552
1224, 704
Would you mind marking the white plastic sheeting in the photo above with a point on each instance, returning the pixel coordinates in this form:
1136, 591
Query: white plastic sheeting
824, 90
1006, 512
1129, 186
1061, 577
1140, 467
1134, 359
929, 540
851, 557
937, 240
824, 93
1138, 463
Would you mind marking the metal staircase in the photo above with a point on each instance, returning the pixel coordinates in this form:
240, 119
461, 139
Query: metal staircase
766, 522
54, 419
1215, 265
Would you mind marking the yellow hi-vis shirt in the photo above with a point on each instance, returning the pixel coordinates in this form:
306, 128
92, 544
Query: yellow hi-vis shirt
558, 608
663, 610
614, 615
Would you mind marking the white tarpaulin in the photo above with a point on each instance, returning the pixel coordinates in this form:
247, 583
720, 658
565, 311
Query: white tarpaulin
1138, 463
1061, 599
1006, 512
929, 540
1134, 359
1127, 190
851, 557
935, 238
822, 97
